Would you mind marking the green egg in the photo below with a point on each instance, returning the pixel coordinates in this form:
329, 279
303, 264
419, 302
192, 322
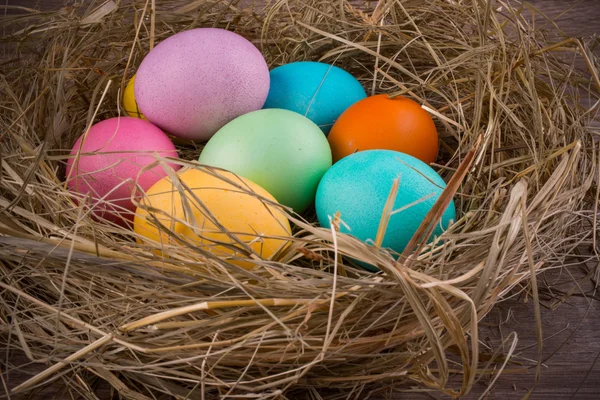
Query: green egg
280, 150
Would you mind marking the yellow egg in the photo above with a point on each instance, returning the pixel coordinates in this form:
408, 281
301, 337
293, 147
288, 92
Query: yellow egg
208, 199
129, 104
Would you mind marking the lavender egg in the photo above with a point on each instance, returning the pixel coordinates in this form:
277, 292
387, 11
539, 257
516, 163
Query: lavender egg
196, 81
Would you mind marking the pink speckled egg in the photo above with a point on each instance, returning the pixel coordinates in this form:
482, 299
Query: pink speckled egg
196, 81
115, 155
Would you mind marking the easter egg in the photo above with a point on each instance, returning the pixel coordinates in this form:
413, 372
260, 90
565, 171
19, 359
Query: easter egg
112, 158
358, 188
130, 106
380, 122
225, 215
196, 81
280, 150
319, 91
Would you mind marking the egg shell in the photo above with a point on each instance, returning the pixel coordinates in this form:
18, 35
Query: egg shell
130, 106
261, 226
194, 82
122, 150
280, 150
319, 91
359, 185
381, 122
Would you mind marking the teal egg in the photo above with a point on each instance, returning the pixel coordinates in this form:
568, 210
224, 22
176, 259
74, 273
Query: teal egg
359, 185
319, 91
280, 150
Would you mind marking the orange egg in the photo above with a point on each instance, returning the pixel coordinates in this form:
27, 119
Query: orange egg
381, 122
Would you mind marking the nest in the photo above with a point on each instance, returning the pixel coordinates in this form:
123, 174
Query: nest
84, 299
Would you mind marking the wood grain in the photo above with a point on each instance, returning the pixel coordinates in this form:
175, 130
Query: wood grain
571, 348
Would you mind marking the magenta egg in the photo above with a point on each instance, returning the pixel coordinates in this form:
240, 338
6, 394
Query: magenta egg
194, 82
114, 160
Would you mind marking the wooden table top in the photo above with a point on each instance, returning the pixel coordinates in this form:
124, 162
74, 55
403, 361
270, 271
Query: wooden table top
571, 346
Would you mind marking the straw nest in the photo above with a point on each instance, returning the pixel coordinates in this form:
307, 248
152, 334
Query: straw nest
83, 298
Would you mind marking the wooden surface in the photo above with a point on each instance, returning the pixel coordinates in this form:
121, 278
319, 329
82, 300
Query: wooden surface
571, 347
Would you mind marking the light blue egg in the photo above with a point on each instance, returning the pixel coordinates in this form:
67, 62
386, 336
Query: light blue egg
358, 187
319, 91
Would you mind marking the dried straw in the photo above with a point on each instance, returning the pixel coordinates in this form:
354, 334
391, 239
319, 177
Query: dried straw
85, 299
